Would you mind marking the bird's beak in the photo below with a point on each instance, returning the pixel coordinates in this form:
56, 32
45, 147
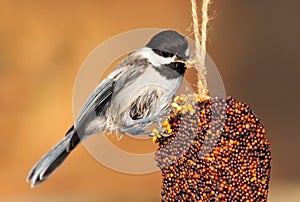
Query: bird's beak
180, 60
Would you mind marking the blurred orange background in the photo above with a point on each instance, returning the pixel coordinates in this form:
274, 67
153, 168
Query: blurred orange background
255, 45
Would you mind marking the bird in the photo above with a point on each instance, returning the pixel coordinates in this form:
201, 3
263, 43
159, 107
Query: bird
136, 94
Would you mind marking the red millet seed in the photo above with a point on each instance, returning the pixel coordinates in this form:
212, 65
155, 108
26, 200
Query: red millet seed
217, 153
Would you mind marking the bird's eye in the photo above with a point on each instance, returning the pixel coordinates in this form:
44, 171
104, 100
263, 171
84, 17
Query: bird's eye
165, 54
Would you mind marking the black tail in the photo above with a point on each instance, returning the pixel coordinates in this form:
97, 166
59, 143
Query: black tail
49, 162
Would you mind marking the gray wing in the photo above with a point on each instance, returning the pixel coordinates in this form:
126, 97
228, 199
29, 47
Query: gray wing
97, 100
124, 74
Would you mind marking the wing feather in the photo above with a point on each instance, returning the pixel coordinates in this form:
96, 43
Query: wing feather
124, 74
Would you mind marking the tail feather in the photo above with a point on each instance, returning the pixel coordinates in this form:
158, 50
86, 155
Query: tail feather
49, 162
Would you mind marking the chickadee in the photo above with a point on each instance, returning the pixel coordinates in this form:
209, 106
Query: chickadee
134, 95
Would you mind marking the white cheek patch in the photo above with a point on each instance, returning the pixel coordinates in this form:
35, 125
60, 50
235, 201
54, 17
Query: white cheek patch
155, 59
187, 52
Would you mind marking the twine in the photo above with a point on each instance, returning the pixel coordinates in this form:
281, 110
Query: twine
200, 42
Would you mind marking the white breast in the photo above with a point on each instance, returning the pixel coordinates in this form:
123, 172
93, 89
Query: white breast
148, 80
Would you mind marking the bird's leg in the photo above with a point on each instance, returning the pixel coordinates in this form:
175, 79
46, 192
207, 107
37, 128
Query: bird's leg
135, 127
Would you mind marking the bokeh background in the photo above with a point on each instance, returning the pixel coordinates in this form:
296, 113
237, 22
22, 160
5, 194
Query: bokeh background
255, 45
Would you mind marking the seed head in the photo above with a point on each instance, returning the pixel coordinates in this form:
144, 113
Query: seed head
214, 150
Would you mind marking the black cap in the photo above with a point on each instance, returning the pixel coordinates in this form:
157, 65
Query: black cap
170, 41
